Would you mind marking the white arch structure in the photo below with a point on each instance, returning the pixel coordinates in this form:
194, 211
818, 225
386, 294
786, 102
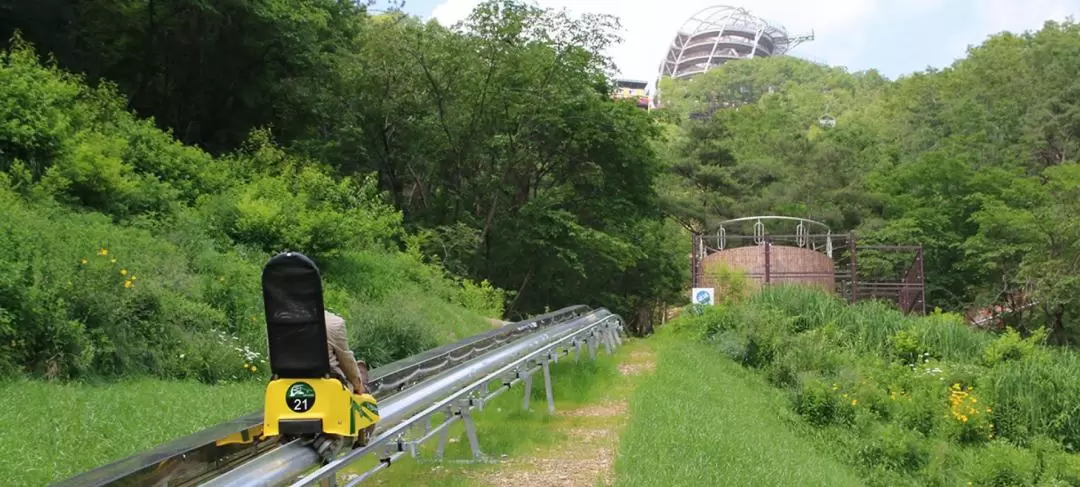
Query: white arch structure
718, 34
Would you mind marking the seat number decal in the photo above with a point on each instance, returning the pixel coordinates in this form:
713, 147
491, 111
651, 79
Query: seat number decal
300, 397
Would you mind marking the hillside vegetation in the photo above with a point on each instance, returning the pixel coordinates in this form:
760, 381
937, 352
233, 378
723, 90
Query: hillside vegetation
827, 389
437, 177
127, 252
496, 140
491, 151
977, 162
154, 154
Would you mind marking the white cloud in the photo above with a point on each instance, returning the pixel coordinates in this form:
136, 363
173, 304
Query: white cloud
844, 29
452, 11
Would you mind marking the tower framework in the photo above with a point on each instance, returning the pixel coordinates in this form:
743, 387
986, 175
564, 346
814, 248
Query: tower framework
716, 35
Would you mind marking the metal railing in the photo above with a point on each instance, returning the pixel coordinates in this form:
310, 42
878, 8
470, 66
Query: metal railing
452, 394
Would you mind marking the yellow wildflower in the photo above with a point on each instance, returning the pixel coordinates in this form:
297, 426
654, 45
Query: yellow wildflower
123, 272
854, 402
103, 252
82, 261
112, 261
128, 284
254, 368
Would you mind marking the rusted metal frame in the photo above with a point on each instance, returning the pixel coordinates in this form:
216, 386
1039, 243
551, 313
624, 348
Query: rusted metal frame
768, 259
854, 276
695, 260
922, 280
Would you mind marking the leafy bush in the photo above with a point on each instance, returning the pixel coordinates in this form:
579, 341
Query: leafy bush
86, 295
84, 148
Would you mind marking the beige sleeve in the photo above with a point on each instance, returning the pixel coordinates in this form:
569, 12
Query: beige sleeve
339, 342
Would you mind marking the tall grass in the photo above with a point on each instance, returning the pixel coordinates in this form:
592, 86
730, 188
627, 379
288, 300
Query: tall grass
920, 392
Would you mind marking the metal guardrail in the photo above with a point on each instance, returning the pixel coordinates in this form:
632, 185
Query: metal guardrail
464, 387
411, 370
197, 457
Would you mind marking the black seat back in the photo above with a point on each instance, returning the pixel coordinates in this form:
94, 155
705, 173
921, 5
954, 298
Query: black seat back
295, 321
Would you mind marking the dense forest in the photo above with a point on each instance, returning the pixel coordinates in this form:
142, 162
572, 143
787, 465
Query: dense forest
153, 154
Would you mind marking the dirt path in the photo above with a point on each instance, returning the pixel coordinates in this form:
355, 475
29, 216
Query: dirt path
587, 457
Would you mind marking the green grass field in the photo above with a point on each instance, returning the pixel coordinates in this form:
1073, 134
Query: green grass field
55, 430
794, 387
52, 431
703, 420
700, 417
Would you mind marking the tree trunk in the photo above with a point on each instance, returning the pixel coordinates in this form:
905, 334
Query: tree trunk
642, 323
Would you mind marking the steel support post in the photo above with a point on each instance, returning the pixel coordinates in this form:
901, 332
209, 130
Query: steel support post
528, 389
470, 431
444, 435
547, 388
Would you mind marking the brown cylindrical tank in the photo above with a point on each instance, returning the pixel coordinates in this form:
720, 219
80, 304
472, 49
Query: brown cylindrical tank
786, 265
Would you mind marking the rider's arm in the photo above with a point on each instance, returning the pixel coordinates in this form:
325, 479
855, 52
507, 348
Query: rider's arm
339, 342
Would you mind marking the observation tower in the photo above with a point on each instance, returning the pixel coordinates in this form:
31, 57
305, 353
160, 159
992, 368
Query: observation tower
716, 35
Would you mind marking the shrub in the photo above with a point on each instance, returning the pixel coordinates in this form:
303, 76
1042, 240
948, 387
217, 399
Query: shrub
1010, 347
818, 402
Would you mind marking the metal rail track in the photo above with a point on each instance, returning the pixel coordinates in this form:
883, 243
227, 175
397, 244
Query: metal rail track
201, 456
451, 395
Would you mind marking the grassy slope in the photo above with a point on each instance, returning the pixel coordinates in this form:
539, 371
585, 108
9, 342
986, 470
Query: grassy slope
55, 430
823, 395
704, 420
52, 431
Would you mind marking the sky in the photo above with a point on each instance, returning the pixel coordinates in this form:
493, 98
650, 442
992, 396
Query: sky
896, 37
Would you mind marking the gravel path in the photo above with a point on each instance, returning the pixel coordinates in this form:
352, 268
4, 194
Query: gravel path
588, 456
